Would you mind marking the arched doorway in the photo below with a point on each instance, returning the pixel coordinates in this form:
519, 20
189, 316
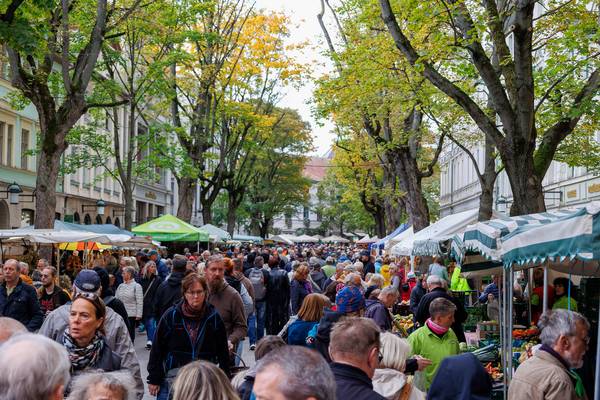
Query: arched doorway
98, 219
117, 222
108, 220
87, 220
4, 215
76, 218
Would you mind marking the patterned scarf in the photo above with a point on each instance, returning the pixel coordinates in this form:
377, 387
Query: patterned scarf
83, 357
435, 328
192, 319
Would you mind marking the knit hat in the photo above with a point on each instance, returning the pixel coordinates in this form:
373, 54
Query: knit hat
349, 299
87, 280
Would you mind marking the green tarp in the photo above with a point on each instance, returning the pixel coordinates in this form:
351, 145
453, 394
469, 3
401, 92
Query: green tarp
169, 228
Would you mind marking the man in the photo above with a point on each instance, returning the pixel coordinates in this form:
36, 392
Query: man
110, 262
41, 374
108, 296
169, 291
226, 300
417, 294
329, 268
492, 288
549, 373
24, 273
354, 349
369, 266
116, 332
278, 300
437, 268
50, 295
293, 373
73, 265
378, 309
316, 274
537, 295
259, 277
18, 300
41, 264
10, 327
161, 267
435, 285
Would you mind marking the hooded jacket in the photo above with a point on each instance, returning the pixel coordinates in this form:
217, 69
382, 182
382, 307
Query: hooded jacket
326, 323
392, 384
472, 383
168, 294
378, 312
172, 346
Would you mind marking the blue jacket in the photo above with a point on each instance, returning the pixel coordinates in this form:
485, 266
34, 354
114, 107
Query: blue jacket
22, 305
298, 331
297, 294
472, 383
172, 346
377, 311
161, 269
492, 288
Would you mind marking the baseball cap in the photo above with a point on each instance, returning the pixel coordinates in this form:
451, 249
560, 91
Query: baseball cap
87, 280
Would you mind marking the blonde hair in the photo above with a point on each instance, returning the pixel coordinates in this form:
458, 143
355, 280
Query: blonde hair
202, 380
312, 307
394, 350
301, 270
376, 280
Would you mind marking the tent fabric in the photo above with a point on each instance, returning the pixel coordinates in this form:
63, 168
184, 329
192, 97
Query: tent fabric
169, 228
306, 239
247, 238
49, 236
381, 243
367, 240
397, 239
570, 243
283, 239
219, 234
334, 239
485, 237
443, 229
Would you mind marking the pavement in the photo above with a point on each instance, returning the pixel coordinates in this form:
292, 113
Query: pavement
143, 355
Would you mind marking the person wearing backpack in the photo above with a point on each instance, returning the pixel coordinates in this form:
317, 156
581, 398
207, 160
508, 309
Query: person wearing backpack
259, 277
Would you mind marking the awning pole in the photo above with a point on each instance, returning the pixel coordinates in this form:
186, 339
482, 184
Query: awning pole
545, 302
509, 326
597, 377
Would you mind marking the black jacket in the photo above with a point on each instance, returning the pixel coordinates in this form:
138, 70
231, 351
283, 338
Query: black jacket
278, 301
297, 294
460, 316
172, 347
326, 323
150, 288
22, 305
168, 294
415, 297
379, 313
353, 383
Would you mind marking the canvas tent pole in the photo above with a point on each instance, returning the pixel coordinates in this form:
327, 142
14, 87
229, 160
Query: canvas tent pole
597, 376
545, 302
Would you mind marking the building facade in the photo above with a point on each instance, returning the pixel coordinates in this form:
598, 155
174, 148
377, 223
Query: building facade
78, 192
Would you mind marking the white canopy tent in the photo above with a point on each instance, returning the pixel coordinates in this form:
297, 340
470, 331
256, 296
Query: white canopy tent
306, 239
367, 240
397, 239
334, 239
287, 239
445, 227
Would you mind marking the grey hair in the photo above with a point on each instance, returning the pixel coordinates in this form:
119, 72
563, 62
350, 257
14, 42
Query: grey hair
214, 259
44, 261
441, 306
349, 279
386, 291
376, 279
121, 382
557, 323
435, 281
24, 265
300, 382
130, 271
47, 368
10, 327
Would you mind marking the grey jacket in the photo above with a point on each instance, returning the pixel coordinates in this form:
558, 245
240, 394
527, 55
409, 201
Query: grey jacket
117, 338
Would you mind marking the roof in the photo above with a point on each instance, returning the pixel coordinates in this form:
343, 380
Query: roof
316, 168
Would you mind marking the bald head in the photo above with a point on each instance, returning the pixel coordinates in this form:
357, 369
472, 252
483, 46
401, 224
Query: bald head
10, 327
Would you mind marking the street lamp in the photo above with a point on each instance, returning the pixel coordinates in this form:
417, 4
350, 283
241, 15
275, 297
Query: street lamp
12, 193
100, 204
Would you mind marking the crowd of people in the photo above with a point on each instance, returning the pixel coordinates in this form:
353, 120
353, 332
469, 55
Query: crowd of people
318, 320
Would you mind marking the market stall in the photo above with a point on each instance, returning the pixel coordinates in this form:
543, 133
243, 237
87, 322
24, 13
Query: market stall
215, 233
169, 228
381, 243
334, 239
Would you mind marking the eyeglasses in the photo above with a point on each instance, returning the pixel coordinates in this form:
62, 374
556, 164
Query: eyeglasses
195, 294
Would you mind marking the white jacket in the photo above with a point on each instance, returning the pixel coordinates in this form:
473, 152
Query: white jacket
132, 296
390, 382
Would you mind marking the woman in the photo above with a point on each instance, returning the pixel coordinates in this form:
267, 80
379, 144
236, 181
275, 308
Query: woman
563, 298
300, 287
84, 338
188, 331
435, 340
389, 379
150, 283
202, 380
309, 315
376, 281
98, 386
132, 295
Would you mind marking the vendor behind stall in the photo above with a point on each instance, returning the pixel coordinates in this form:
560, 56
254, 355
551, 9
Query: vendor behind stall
565, 292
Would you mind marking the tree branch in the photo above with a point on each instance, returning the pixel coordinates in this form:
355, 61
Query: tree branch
105, 105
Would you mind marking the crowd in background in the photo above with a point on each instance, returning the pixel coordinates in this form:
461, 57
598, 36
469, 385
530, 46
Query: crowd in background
318, 318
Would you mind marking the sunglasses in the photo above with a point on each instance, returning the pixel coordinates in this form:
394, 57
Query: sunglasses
86, 295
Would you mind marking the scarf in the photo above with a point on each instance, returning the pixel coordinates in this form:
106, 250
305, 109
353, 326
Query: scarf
307, 286
435, 328
191, 319
83, 357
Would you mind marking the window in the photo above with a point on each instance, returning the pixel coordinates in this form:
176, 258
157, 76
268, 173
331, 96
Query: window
306, 212
87, 220
26, 217
98, 219
288, 220
108, 220
117, 222
9, 145
24, 148
76, 218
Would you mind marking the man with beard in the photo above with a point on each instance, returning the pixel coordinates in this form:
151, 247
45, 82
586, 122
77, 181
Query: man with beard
51, 296
550, 374
226, 300
278, 298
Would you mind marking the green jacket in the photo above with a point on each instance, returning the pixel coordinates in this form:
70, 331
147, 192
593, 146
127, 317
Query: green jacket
427, 344
457, 282
563, 303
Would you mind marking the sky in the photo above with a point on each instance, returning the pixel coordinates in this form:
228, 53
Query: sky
304, 27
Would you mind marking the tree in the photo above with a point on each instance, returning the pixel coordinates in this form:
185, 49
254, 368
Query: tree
52, 49
542, 85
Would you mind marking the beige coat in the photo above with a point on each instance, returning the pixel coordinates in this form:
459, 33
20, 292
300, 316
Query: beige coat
542, 377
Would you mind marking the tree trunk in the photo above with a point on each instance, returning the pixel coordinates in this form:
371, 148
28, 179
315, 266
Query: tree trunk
379, 219
528, 193
264, 227
128, 198
186, 191
487, 181
231, 213
410, 182
206, 212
